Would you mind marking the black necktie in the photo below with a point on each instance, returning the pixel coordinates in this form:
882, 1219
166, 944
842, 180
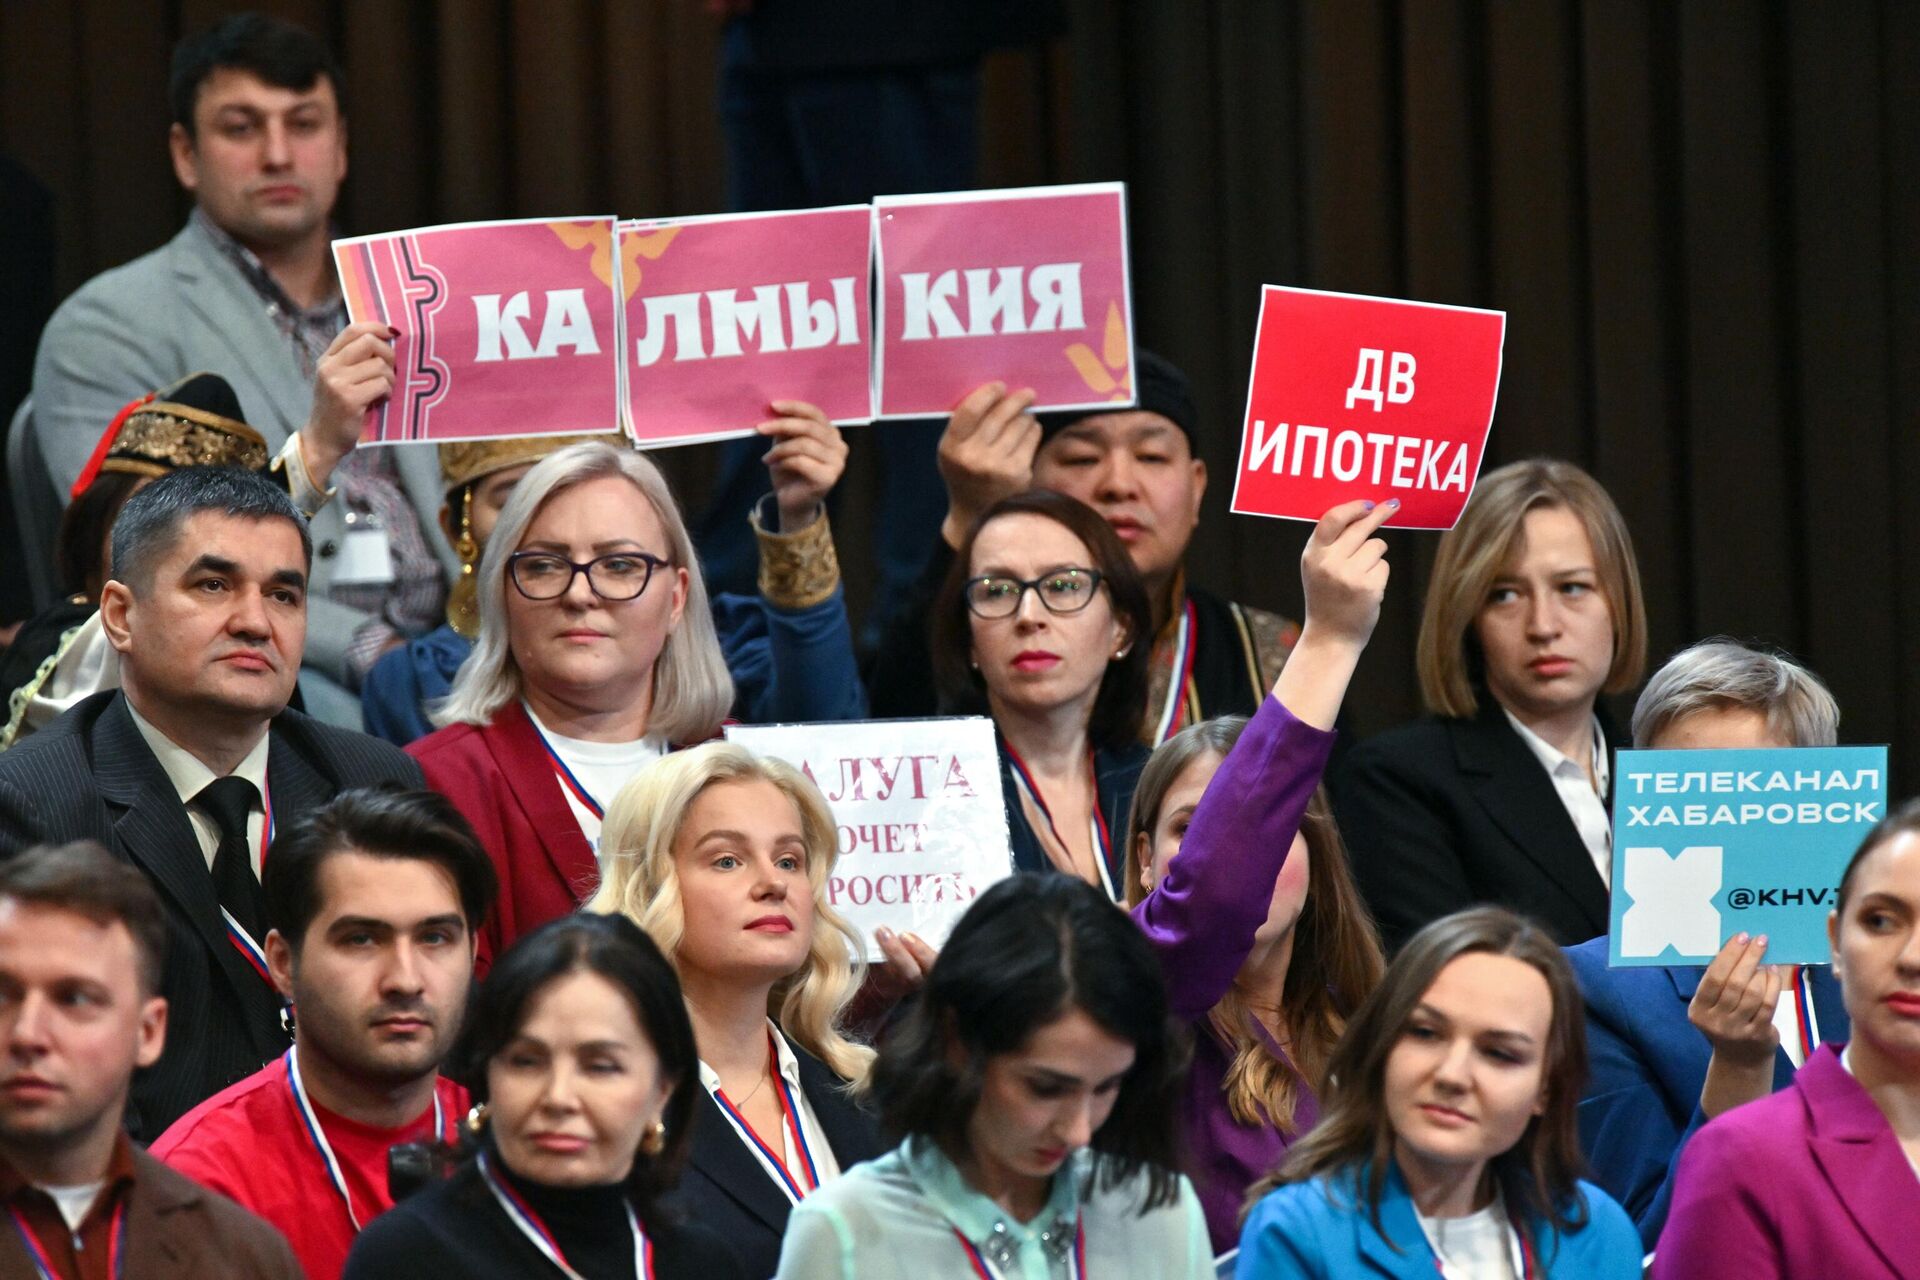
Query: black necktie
228, 801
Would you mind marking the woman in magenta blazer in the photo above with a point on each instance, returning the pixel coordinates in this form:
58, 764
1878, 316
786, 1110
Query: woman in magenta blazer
1820, 1179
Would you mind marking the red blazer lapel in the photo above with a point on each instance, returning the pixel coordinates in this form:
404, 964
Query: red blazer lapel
522, 759
1861, 1159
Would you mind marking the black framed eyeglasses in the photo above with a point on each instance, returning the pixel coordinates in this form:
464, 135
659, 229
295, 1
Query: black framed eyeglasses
1063, 591
619, 575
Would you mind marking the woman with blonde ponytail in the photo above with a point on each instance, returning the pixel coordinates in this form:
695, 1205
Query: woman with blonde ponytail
723, 858
1229, 832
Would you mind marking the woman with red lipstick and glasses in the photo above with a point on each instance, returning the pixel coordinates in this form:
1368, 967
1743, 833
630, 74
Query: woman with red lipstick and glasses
723, 857
1447, 1142
1033, 1085
1502, 795
1823, 1177
578, 1052
1043, 625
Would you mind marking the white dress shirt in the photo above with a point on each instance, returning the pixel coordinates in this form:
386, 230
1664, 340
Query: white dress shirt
190, 777
823, 1162
1584, 798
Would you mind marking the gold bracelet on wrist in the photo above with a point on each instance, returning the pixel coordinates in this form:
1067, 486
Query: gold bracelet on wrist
797, 570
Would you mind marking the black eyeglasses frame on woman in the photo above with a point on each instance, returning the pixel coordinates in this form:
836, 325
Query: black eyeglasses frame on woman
974, 599
593, 570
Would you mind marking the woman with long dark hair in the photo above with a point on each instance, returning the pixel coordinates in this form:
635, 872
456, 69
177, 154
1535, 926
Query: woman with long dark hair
1447, 1141
1240, 882
1033, 1086
580, 1057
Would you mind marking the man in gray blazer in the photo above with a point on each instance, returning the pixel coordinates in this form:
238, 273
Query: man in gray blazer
247, 290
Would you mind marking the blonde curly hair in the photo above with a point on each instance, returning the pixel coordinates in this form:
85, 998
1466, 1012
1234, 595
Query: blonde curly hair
639, 881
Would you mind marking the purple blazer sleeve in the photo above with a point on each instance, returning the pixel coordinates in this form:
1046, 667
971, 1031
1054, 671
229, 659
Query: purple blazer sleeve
1725, 1211
1202, 917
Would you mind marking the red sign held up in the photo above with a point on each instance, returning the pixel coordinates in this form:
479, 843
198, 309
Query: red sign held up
1355, 397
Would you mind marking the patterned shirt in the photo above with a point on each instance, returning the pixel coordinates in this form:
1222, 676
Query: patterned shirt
367, 480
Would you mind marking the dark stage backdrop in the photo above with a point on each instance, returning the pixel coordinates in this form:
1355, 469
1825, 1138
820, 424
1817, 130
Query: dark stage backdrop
1701, 218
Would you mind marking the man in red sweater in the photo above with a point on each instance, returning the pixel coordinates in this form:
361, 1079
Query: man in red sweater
374, 903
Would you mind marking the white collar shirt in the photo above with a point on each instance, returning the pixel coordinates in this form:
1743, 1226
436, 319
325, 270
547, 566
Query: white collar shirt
190, 776
1583, 798
824, 1164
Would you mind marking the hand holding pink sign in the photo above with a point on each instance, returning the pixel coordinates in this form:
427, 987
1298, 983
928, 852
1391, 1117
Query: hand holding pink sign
504, 328
1029, 287
1354, 397
727, 313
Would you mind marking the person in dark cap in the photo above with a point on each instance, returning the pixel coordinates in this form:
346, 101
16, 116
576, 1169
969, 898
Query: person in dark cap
61, 654
1139, 469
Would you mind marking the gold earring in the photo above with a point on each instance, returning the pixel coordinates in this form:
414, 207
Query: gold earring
463, 602
477, 1118
654, 1141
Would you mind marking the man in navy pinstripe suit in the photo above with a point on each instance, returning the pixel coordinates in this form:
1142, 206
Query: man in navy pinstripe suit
186, 770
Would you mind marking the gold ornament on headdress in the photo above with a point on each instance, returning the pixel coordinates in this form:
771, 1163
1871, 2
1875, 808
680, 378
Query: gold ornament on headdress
463, 464
463, 602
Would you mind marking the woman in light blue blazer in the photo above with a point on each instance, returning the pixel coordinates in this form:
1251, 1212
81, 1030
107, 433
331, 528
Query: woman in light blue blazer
1447, 1143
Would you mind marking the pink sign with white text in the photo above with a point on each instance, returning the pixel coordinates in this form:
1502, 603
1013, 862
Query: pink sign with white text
1029, 287
727, 313
506, 328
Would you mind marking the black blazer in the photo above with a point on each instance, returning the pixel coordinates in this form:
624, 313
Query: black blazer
454, 1228
90, 776
1116, 775
726, 1190
1444, 814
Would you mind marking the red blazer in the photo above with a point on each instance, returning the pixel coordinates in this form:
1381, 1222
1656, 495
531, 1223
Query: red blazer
499, 777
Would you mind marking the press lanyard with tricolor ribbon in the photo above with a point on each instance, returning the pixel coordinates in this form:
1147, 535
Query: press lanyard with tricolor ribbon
43, 1265
568, 783
244, 942
522, 1216
318, 1135
1180, 677
1096, 824
984, 1270
790, 1120
1805, 1022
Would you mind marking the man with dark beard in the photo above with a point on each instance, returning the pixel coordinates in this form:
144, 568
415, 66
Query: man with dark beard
374, 901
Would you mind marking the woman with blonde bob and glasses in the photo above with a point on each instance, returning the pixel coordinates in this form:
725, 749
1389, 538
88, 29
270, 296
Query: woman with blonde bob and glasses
723, 857
596, 655
1501, 795
1446, 1143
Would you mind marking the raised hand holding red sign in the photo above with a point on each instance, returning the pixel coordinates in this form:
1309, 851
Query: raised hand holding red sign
1355, 397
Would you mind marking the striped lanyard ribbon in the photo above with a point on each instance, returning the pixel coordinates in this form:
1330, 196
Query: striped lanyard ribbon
43, 1265
1077, 1260
522, 1216
244, 942
318, 1135
1803, 1016
1097, 824
790, 1122
570, 784
1180, 677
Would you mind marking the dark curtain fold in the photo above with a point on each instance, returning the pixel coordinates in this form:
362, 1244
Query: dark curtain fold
1701, 219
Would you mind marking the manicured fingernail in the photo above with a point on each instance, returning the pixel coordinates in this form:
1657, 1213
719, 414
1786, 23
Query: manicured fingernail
1740, 938
1762, 939
392, 332
883, 933
1393, 502
1369, 506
